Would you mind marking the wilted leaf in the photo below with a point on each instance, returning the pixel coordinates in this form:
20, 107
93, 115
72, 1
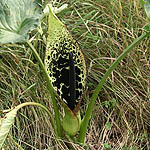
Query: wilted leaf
5, 125
17, 18
7, 121
142, 3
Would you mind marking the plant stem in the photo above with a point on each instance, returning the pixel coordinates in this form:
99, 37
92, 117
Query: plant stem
88, 114
57, 115
40, 105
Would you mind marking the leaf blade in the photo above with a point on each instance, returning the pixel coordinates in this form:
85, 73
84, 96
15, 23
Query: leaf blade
16, 19
5, 125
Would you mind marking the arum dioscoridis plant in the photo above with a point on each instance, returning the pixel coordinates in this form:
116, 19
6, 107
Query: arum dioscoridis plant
65, 66
64, 69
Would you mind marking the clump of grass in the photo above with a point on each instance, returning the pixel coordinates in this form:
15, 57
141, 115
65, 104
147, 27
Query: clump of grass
120, 118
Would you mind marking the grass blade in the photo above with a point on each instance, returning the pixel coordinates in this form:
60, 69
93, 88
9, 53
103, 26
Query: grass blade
88, 114
57, 115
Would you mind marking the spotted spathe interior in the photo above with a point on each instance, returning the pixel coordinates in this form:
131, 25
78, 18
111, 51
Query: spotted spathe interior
57, 66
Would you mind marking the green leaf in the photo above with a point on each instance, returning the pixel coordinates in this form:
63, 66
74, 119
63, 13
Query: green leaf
108, 126
147, 28
107, 146
5, 125
146, 4
17, 18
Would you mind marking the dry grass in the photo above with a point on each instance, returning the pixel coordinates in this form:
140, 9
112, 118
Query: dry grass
120, 118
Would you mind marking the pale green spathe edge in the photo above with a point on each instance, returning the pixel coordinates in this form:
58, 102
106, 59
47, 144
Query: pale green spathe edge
8, 120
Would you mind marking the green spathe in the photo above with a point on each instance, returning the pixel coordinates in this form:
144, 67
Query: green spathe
54, 24
5, 125
71, 123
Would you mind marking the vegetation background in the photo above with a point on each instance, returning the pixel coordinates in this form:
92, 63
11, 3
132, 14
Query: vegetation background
103, 28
